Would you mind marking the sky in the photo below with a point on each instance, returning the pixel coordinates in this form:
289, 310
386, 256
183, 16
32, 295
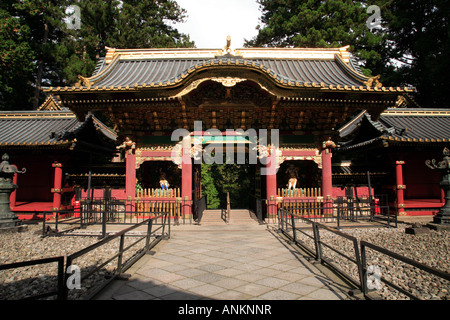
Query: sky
209, 22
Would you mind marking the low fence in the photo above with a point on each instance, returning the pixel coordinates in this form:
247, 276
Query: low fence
199, 207
105, 212
299, 192
341, 209
258, 206
158, 193
59, 287
309, 235
152, 235
377, 275
313, 208
226, 212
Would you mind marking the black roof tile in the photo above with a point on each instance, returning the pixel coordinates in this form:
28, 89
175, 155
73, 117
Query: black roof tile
27, 128
400, 126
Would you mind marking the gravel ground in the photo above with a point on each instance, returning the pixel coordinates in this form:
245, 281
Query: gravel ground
33, 280
431, 249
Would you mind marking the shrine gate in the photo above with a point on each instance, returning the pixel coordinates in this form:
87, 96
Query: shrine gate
300, 96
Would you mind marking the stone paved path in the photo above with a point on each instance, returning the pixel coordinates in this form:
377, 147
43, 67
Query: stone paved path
225, 262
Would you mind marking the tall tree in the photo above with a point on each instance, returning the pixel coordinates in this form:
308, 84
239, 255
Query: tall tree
123, 24
316, 23
29, 35
409, 47
420, 35
37, 48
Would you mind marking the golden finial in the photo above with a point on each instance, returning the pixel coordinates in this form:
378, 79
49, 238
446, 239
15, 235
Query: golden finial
228, 47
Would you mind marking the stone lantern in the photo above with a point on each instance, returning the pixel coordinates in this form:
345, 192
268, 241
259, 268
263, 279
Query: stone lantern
442, 218
7, 218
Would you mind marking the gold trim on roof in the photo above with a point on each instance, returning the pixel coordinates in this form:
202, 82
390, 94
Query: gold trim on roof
36, 114
341, 54
50, 104
415, 112
37, 144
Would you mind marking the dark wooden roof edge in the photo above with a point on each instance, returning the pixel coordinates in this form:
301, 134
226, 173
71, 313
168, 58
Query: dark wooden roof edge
360, 83
59, 129
405, 126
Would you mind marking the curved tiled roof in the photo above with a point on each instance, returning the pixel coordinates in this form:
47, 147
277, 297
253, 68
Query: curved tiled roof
43, 128
36, 128
124, 69
167, 71
403, 126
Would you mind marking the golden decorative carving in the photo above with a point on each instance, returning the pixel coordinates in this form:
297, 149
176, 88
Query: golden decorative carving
228, 81
373, 82
128, 145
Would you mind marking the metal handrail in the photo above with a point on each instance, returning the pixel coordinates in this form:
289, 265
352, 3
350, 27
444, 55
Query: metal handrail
318, 243
119, 256
419, 265
64, 263
359, 251
60, 276
225, 214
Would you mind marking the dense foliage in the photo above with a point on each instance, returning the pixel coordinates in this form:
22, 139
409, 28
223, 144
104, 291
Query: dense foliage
40, 45
220, 179
409, 47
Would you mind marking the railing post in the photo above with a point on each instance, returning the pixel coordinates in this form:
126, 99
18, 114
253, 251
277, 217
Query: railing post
359, 264
103, 223
279, 218
286, 222
363, 270
149, 232
317, 242
228, 207
119, 260
294, 234
65, 290
43, 223
56, 221
164, 221
339, 208
61, 278
168, 226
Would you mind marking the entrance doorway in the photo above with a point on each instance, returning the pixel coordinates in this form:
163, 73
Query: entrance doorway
238, 180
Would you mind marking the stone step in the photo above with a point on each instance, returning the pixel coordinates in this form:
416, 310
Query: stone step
237, 216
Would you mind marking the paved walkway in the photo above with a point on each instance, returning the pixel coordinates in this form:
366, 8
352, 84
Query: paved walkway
225, 262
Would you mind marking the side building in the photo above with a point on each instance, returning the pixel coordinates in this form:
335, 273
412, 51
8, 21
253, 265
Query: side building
394, 149
58, 152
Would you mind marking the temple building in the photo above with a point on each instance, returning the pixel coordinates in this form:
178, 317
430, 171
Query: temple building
56, 149
302, 95
396, 147
284, 113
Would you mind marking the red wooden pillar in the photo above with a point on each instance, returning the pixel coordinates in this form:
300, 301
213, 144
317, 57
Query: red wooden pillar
13, 196
57, 186
186, 182
400, 188
327, 181
271, 184
130, 180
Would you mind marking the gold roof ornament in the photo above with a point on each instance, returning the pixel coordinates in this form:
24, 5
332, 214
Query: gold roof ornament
228, 46
373, 82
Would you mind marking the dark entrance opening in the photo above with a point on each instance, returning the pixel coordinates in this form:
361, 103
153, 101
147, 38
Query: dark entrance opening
239, 180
